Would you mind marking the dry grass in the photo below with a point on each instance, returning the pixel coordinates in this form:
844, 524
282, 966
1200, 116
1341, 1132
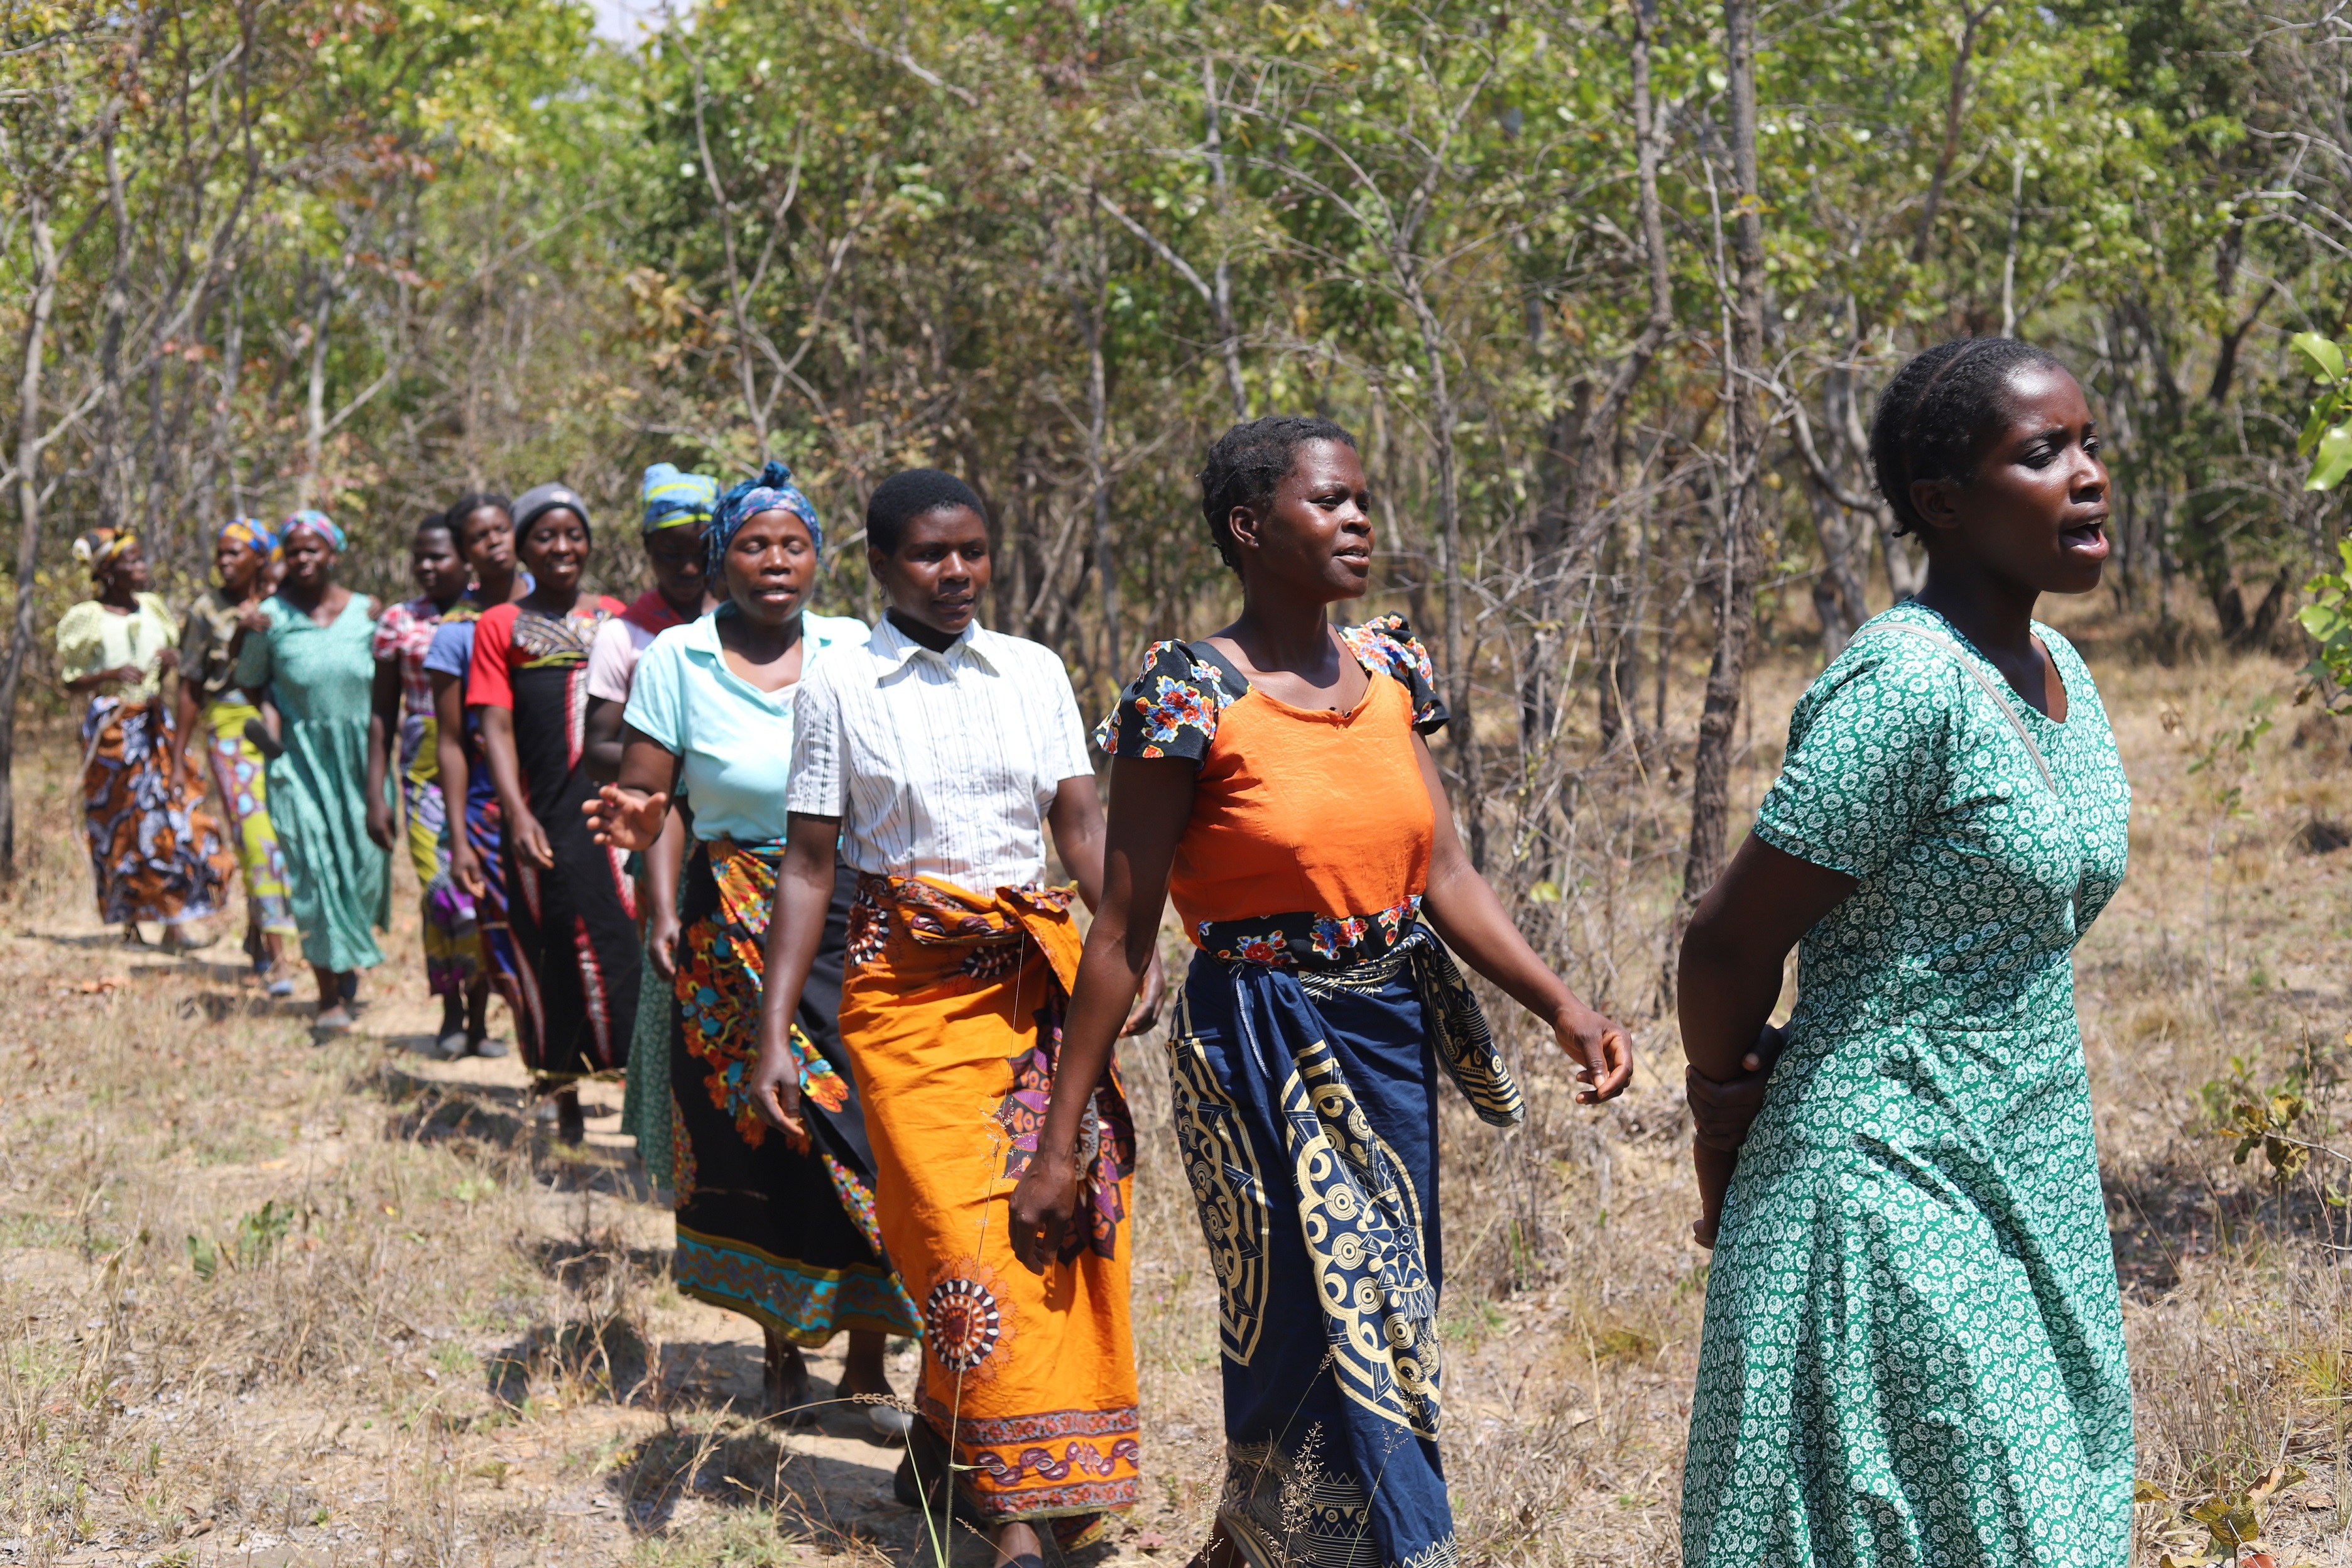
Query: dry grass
277, 1303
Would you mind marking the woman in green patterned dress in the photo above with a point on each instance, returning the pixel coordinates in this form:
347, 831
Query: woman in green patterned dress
1914, 1348
310, 645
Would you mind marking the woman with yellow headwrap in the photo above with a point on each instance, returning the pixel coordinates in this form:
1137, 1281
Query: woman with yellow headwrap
216, 713
156, 855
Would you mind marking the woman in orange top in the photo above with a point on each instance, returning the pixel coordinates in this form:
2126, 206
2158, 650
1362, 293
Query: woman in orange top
1272, 780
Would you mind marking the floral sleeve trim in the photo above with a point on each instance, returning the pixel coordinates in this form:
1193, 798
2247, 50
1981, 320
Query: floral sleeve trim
1168, 710
1385, 646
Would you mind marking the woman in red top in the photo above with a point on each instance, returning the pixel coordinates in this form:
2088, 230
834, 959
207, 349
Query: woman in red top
1273, 781
571, 909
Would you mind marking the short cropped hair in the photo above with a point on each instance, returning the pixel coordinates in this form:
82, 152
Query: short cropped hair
1935, 416
1248, 462
907, 495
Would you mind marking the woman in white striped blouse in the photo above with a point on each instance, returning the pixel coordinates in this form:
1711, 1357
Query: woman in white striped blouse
937, 757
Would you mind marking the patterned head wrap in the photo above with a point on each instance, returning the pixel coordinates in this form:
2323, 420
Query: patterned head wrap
251, 534
95, 549
772, 491
677, 501
318, 523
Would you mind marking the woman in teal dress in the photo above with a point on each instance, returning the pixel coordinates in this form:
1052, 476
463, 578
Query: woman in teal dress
1914, 1348
311, 643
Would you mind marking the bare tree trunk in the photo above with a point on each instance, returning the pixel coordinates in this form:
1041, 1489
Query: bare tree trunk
1596, 427
43, 299
1954, 106
1735, 611
1091, 305
1837, 592
112, 459
314, 404
1468, 784
1221, 305
746, 373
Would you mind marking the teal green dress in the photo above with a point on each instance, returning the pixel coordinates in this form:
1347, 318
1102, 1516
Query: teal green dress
322, 678
1914, 1350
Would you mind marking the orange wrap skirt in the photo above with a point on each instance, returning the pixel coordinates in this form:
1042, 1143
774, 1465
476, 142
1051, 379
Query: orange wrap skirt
951, 1007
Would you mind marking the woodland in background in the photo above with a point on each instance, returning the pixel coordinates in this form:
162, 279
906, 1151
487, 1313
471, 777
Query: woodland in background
1606, 291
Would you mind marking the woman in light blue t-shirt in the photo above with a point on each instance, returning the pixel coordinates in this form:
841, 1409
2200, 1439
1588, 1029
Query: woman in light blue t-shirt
779, 1228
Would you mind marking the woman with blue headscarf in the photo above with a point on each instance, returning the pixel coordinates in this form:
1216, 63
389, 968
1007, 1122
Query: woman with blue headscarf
778, 1228
218, 713
678, 508
310, 646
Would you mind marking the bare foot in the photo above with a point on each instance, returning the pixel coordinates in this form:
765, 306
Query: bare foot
785, 1383
1017, 1546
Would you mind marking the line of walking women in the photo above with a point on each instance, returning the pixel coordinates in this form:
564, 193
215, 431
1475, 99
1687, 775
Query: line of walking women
1913, 1346
305, 697
872, 1060
891, 1096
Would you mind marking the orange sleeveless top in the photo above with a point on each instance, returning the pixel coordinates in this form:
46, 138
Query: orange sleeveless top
1314, 825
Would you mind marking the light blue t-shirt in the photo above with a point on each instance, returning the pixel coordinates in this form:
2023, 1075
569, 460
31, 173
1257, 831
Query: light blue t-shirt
736, 739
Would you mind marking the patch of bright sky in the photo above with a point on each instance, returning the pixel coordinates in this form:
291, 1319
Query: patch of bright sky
625, 22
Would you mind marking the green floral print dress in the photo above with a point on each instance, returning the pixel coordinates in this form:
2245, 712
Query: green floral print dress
1914, 1349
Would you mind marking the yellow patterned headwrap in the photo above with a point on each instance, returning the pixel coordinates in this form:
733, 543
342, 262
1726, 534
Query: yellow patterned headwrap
102, 545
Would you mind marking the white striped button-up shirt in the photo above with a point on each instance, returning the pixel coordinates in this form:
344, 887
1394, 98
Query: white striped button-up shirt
938, 764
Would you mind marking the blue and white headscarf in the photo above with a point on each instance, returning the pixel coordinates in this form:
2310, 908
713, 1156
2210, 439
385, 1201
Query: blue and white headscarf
774, 488
318, 523
675, 499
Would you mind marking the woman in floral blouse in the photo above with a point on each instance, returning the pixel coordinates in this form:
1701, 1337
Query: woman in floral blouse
1317, 1008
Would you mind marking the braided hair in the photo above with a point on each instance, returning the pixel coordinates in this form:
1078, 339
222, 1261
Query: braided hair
1246, 464
1935, 416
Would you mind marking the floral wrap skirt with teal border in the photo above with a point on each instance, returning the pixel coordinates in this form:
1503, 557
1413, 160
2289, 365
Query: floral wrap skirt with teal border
1306, 1110
779, 1229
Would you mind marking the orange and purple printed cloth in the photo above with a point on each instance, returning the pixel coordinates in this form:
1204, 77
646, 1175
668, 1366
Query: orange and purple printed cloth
156, 853
951, 1007
779, 1229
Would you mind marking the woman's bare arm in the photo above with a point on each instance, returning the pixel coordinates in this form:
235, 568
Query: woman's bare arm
795, 931
1151, 803
522, 829
384, 722
1726, 981
1464, 911
603, 746
449, 746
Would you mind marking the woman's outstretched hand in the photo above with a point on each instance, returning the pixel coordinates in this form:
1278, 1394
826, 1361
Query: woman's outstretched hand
624, 818
776, 1082
1043, 1203
1604, 1049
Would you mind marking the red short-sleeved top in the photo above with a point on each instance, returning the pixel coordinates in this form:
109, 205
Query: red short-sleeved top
490, 678
1268, 864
